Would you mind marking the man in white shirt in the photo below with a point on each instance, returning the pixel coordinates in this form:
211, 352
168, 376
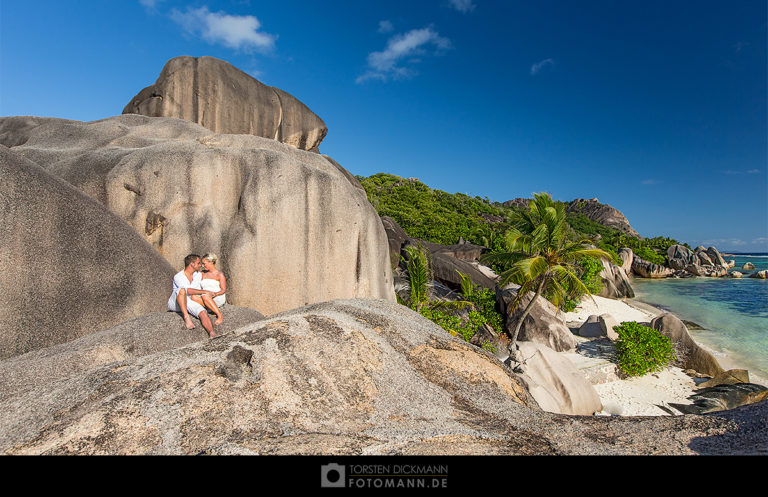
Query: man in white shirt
185, 284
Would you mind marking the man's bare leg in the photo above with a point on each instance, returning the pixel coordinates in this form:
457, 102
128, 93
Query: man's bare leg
206, 321
181, 301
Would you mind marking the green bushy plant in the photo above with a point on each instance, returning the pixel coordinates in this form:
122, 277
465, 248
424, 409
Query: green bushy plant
454, 324
641, 349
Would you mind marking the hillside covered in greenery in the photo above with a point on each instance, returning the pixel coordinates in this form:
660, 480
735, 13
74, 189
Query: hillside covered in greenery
441, 217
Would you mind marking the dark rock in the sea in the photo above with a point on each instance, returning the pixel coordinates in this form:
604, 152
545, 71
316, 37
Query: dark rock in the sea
716, 258
735, 274
224, 99
723, 397
748, 265
70, 267
542, 325
680, 256
689, 354
730, 377
646, 269
760, 274
704, 259
692, 326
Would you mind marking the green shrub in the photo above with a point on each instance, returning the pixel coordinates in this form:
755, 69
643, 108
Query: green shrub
641, 349
590, 269
454, 324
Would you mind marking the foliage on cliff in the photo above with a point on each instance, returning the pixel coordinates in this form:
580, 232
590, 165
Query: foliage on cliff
434, 215
441, 217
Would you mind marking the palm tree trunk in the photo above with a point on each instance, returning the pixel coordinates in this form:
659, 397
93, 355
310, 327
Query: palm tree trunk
512, 346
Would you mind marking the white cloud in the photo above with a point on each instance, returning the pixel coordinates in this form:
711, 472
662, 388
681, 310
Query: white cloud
540, 65
237, 32
748, 171
389, 62
462, 5
386, 27
150, 4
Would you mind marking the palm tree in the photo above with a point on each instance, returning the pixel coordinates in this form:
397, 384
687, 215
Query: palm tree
541, 258
418, 269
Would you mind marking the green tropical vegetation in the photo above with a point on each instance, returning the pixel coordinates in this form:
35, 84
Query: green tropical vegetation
436, 216
461, 318
541, 258
440, 217
641, 350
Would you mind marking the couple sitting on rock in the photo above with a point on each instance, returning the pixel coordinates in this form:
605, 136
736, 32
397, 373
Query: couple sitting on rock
197, 293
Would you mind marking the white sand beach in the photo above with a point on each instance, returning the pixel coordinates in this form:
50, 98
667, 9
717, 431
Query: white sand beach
639, 396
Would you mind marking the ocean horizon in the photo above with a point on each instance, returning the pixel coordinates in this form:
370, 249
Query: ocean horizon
732, 312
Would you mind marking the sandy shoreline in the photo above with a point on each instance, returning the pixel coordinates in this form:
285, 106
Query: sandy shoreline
647, 395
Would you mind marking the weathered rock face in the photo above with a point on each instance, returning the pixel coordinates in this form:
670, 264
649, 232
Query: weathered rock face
70, 267
679, 256
338, 378
542, 325
627, 256
646, 269
555, 382
616, 283
222, 98
147, 334
446, 260
599, 326
689, 354
603, 214
289, 226
760, 274
345, 374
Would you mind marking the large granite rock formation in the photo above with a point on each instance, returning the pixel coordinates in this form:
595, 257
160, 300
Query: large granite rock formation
646, 269
699, 262
147, 334
555, 383
616, 283
689, 354
338, 378
447, 260
542, 325
290, 226
603, 214
224, 99
70, 267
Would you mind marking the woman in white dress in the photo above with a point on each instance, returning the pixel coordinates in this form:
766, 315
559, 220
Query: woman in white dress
214, 281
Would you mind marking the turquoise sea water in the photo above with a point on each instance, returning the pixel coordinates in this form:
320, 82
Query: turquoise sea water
734, 312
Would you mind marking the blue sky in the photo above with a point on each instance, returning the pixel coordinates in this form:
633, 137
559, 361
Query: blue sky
657, 108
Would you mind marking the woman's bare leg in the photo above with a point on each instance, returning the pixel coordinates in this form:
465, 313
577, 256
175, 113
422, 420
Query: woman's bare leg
210, 304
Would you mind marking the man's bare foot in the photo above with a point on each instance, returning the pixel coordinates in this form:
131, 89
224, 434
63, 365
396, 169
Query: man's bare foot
219, 320
214, 335
189, 324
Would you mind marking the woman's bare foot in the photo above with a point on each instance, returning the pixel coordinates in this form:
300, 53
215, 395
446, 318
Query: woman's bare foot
219, 320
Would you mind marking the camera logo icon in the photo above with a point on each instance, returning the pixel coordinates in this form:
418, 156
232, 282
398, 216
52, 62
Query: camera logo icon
332, 475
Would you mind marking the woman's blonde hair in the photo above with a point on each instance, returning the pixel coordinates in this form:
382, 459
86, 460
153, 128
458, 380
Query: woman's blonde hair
211, 257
